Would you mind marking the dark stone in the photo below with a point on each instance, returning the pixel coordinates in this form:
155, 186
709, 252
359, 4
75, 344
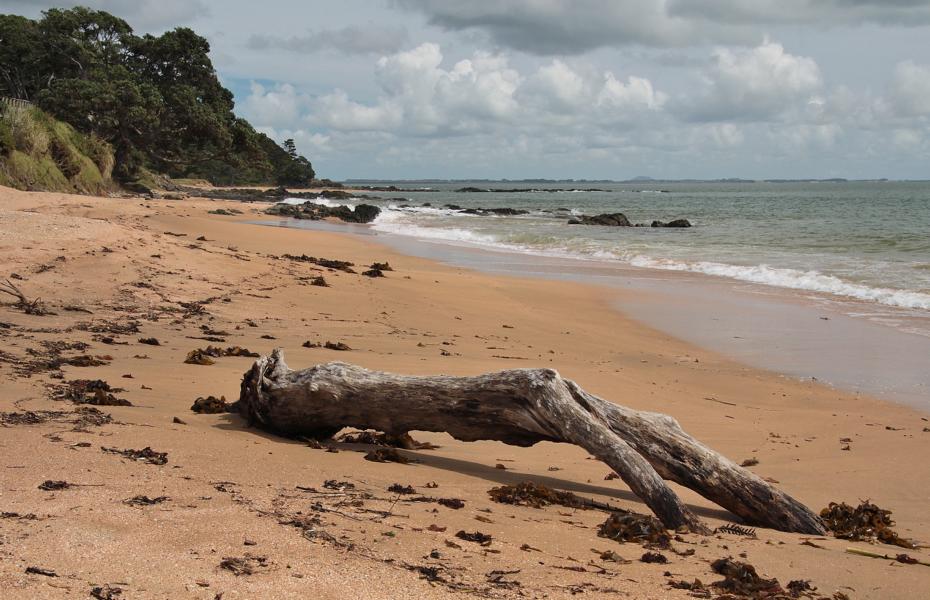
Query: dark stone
494, 211
608, 220
678, 223
363, 213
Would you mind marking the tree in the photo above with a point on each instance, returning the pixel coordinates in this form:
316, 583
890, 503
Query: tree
156, 99
295, 170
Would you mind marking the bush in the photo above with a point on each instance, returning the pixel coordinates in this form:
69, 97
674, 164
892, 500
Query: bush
7, 143
40, 153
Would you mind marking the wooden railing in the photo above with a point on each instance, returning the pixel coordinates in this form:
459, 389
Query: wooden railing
16, 102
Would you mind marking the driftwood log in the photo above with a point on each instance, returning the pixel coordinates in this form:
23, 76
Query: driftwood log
519, 407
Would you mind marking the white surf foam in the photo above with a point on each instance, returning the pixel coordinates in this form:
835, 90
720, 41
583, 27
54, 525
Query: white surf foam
323, 201
812, 281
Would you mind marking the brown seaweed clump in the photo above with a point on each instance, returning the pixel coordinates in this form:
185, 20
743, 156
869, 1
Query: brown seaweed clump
211, 405
384, 455
864, 522
535, 495
633, 527
146, 455
742, 580
96, 392
245, 565
205, 356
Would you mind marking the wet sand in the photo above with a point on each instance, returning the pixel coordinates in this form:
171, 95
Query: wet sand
234, 490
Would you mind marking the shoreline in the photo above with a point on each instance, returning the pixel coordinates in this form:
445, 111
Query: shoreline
228, 484
796, 333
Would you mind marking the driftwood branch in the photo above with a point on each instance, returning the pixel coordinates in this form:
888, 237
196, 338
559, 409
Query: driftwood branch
519, 407
30, 307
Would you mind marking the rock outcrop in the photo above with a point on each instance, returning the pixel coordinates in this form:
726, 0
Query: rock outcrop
363, 213
607, 219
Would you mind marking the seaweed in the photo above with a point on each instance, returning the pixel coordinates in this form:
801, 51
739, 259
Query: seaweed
244, 565
384, 455
864, 522
210, 405
338, 265
653, 558
633, 527
145, 500
30, 417
53, 486
146, 455
205, 356
96, 392
106, 592
476, 537
742, 579
88, 416
535, 495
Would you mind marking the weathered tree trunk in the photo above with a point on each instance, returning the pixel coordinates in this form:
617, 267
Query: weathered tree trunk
519, 407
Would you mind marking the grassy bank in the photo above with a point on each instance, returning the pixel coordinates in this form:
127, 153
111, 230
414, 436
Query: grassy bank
40, 153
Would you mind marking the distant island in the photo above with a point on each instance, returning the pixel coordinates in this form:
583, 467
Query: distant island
639, 179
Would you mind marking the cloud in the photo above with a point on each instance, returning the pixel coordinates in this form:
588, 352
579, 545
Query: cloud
752, 84
566, 27
483, 93
142, 15
818, 13
417, 94
279, 106
347, 40
910, 89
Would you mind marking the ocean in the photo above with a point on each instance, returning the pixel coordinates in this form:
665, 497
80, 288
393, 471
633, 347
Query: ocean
868, 241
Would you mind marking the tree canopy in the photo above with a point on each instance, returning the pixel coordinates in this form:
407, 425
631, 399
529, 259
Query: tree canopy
155, 99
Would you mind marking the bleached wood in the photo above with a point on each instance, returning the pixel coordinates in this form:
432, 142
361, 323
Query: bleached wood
519, 407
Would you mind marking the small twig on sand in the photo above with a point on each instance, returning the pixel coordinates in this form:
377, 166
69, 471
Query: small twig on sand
901, 558
30, 307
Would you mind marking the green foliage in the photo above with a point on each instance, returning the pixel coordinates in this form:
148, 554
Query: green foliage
38, 152
7, 143
155, 100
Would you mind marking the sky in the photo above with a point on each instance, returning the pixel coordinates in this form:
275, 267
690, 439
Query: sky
583, 89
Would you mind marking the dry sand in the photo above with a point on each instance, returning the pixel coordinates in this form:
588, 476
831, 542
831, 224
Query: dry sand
231, 489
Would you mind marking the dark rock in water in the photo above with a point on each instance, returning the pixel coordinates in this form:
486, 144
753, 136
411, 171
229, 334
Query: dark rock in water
676, 223
471, 190
494, 211
453, 207
427, 204
336, 194
366, 213
609, 220
363, 213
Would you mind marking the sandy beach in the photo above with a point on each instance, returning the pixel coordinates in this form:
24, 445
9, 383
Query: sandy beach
114, 271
